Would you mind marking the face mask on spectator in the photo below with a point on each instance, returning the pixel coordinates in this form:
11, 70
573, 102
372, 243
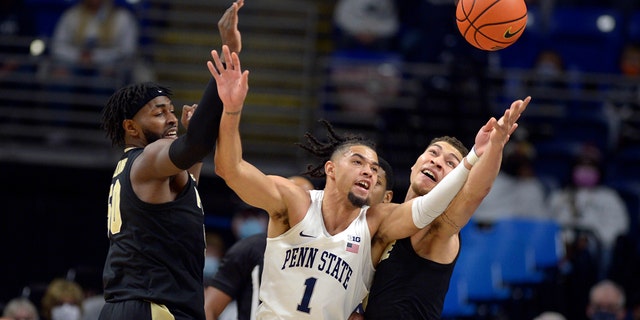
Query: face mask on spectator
210, 266
603, 315
585, 176
250, 227
65, 312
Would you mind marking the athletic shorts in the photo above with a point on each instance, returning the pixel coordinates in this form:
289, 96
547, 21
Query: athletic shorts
135, 309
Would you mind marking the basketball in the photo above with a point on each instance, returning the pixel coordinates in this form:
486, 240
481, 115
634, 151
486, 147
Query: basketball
491, 25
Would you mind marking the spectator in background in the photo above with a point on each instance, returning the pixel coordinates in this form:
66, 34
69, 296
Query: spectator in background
94, 37
550, 315
17, 31
365, 68
625, 95
588, 205
593, 216
248, 221
606, 301
62, 300
630, 60
365, 24
549, 69
20, 309
517, 191
634, 306
93, 49
90, 280
213, 254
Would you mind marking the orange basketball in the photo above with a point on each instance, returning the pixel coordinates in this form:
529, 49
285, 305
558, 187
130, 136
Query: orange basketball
491, 24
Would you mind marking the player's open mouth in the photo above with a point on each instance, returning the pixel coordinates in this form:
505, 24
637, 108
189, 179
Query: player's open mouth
363, 184
172, 133
429, 174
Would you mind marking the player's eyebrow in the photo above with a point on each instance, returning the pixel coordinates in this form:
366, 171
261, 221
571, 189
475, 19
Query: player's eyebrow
452, 154
355, 154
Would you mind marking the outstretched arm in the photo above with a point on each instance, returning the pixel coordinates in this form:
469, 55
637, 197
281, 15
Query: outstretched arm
185, 152
187, 113
228, 27
273, 194
215, 301
484, 172
407, 218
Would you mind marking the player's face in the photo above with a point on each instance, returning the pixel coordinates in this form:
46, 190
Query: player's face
356, 172
379, 192
158, 120
433, 165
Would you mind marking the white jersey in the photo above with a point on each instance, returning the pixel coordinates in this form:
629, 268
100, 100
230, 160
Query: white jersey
310, 274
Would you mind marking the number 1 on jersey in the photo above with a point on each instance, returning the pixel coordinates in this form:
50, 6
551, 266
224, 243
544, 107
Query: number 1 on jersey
309, 284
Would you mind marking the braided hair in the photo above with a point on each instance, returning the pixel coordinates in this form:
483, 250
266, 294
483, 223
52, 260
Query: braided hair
124, 104
325, 150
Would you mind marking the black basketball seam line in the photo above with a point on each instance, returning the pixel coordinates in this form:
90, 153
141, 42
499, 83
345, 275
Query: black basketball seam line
481, 13
466, 16
492, 24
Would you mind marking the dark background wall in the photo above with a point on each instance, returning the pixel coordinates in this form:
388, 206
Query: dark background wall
53, 218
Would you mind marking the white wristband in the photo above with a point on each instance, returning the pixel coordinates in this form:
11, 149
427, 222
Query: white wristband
472, 156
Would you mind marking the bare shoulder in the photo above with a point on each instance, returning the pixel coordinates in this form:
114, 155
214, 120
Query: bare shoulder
296, 200
378, 213
153, 155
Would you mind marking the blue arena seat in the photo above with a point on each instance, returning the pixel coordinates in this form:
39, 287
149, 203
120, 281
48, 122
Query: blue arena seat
456, 303
554, 160
633, 27
589, 38
478, 269
47, 13
624, 165
522, 54
586, 128
514, 251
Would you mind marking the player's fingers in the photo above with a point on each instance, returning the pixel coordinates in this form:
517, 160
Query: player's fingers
213, 71
245, 79
236, 61
513, 128
218, 63
227, 56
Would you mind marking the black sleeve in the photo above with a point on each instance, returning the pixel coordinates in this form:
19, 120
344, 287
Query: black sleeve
202, 133
234, 275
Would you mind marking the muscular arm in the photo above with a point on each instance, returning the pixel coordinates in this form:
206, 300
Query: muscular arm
408, 218
274, 194
215, 301
483, 174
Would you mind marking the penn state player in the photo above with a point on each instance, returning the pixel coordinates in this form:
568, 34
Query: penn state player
321, 245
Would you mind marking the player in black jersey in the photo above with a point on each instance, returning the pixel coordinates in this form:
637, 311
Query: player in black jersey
412, 278
154, 266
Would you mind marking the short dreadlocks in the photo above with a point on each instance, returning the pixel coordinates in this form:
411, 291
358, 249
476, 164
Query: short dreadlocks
124, 104
325, 150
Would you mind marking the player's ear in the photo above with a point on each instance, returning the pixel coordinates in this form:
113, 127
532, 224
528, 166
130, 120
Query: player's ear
388, 196
329, 168
130, 127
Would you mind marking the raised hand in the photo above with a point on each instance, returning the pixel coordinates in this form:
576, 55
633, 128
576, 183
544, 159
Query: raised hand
228, 27
232, 82
499, 131
187, 112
